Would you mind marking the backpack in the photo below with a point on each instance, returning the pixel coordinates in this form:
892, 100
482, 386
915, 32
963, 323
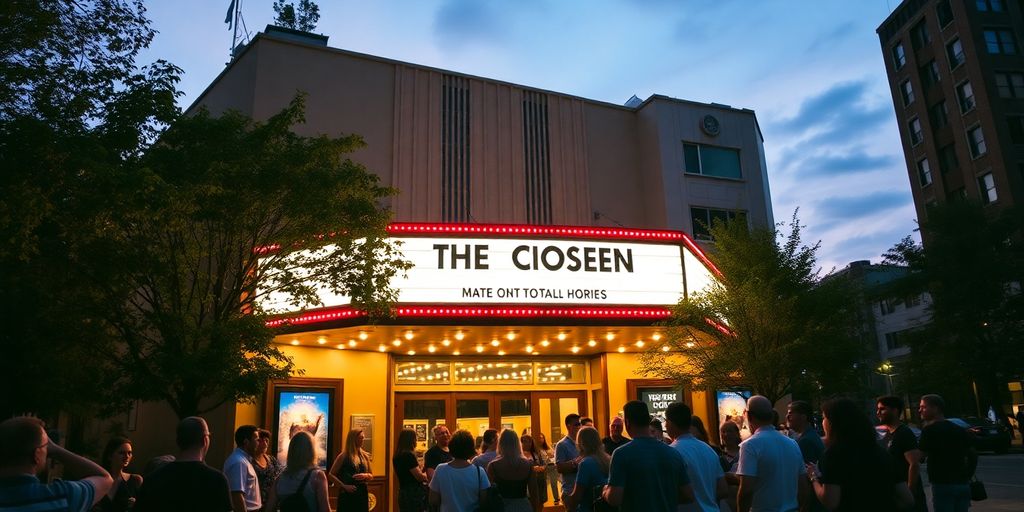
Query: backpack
296, 502
492, 500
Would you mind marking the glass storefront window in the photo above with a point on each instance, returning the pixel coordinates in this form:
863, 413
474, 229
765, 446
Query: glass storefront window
560, 373
490, 372
422, 373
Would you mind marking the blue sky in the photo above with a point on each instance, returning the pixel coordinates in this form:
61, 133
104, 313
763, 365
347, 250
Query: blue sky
812, 70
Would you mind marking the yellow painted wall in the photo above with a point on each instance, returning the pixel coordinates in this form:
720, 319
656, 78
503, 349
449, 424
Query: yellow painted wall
365, 377
625, 366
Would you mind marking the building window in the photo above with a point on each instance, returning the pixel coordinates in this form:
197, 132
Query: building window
965, 93
919, 35
887, 306
1000, 41
947, 158
913, 300
703, 219
976, 140
895, 340
929, 74
957, 194
1016, 129
955, 53
987, 185
908, 92
711, 161
944, 13
455, 150
916, 135
990, 5
537, 158
1010, 85
899, 56
938, 115
924, 172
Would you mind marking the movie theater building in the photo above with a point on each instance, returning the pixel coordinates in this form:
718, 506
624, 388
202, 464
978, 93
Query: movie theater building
550, 234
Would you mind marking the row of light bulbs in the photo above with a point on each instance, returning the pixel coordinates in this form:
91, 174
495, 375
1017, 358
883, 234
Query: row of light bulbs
530, 349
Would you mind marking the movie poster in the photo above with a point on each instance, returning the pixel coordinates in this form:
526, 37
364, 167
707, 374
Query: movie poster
731, 404
304, 411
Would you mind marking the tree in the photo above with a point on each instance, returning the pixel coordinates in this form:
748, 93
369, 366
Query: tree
73, 102
185, 264
303, 18
972, 265
770, 323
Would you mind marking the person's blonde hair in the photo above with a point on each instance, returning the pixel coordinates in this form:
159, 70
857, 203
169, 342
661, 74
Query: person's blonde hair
590, 445
509, 446
353, 451
301, 452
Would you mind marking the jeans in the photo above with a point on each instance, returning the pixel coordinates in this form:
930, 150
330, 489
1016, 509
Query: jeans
951, 497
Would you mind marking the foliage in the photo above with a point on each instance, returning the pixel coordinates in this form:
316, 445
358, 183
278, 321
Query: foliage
303, 18
787, 328
972, 265
73, 104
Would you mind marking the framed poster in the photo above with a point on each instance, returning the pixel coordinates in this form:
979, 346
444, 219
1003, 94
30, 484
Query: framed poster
305, 405
730, 404
365, 423
657, 394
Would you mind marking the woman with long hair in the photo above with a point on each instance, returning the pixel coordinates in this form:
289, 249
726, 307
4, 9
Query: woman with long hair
266, 465
351, 471
592, 472
855, 473
697, 429
458, 485
513, 474
117, 454
301, 479
412, 493
531, 452
548, 457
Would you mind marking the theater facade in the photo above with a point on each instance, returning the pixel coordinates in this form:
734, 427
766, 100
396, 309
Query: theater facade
550, 235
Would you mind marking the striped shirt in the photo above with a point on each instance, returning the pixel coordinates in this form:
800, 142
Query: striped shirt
25, 493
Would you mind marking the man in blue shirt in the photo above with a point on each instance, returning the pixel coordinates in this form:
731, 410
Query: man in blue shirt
24, 448
646, 475
567, 455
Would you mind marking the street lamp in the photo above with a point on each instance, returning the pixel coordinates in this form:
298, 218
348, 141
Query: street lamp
888, 370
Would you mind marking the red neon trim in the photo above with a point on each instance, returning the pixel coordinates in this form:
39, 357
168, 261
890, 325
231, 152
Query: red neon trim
426, 229
609, 312
696, 250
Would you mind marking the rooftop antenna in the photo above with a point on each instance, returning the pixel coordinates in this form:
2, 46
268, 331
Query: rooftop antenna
236, 22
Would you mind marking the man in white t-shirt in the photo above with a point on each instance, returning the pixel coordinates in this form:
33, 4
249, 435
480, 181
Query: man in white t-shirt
771, 468
702, 465
242, 482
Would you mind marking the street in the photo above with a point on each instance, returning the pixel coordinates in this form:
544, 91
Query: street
1004, 480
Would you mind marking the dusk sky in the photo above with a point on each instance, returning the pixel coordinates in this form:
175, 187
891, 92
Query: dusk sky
811, 70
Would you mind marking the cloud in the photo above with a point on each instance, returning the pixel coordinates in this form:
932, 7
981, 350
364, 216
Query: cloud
849, 207
460, 23
832, 164
831, 38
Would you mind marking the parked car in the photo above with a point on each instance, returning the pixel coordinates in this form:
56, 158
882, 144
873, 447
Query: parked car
987, 435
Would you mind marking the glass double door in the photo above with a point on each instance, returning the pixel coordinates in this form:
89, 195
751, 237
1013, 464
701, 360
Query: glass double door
522, 412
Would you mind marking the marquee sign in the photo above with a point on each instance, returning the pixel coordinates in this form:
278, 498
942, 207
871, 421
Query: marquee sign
538, 270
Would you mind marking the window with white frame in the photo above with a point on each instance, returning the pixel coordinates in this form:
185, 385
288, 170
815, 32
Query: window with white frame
989, 5
955, 53
711, 161
908, 92
919, 35
916, 134
938, 115
929, 74
899, 56
702, 219
976, 141
924, 172
987, 186
1000, 41
965, 96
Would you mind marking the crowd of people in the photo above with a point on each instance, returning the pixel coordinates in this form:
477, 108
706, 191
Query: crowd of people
644, 464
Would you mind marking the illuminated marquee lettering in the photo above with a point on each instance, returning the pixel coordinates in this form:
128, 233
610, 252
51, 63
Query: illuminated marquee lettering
532, 257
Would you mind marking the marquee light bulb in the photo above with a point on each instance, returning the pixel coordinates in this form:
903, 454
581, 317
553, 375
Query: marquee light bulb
529, 348
501, 352
479, 348
321, 340
459, 335
495, 342
408, 335
382, 348
561, 336
446, 342
341, 347
622, 349
610, 336
431, 349
544, 343
575, 349
455, 353
396, 342
295, 342
664, 348
351, 343
592, 343
656, 336
363, 335
640, 343
510, 336
411, 352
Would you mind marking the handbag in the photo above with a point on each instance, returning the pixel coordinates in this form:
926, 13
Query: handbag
492, 499
978, 492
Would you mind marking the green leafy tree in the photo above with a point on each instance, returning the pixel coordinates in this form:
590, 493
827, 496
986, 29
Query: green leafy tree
73, 105
770, 323
972, 265
304, 17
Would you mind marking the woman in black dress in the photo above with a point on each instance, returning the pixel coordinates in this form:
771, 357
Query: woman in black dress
855, 473
351, 471
412, 489
121, 497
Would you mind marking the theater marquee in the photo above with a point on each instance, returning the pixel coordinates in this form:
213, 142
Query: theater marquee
456, 270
